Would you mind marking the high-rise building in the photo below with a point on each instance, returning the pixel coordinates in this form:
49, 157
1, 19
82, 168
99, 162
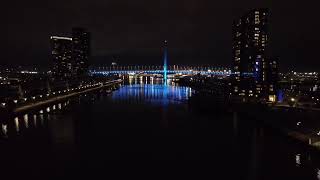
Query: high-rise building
273, 78
81, 51
61, 51
251, 65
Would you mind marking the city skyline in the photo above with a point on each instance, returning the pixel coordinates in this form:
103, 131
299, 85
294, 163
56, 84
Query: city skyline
232, 86
199, 31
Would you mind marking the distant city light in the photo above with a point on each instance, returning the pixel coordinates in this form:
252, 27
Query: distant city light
298, 160
61, 38
29, 72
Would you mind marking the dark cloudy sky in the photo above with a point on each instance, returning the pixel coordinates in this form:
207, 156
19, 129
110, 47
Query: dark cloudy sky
132, 31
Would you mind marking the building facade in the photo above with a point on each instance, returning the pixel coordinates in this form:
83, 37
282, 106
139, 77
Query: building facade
250, 63
81, 51
71, 55
61, 53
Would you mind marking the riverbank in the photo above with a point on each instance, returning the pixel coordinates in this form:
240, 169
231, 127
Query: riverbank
50, 100
300, 124
296, 123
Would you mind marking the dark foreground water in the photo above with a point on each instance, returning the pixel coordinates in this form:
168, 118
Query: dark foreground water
148, 130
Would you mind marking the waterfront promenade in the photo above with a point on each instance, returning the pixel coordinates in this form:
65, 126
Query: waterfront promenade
76, 92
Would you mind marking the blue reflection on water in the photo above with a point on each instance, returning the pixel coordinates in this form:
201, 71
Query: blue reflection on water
153, 93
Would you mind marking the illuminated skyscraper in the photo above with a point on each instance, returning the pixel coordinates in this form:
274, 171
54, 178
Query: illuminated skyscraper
81, 51
251, 66
61, 51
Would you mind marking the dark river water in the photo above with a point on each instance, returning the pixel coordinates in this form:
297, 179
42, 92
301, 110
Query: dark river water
148, 129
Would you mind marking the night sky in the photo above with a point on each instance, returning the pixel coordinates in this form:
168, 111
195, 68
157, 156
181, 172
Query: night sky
132, 31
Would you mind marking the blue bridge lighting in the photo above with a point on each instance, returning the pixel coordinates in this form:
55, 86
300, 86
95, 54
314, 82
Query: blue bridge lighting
165, 62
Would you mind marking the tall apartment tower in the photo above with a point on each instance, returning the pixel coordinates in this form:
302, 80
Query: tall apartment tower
81, 51
250, 63
61, 53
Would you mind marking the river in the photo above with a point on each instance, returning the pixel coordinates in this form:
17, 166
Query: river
146, 126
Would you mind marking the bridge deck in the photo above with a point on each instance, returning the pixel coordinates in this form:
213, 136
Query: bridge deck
221, 73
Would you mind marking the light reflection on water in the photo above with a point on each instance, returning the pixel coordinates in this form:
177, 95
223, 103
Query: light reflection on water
251, 145
35, 120
4, 129
26, 120
155, 94
30, 120
16, 122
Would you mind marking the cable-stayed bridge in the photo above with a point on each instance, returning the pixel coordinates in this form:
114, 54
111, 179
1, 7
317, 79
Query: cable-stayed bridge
181, 70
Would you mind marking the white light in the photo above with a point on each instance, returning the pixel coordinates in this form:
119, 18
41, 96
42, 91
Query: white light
16, 122
29, 72
292, 99
26, 118
15, 101
298, 160
61, 38
4, 128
